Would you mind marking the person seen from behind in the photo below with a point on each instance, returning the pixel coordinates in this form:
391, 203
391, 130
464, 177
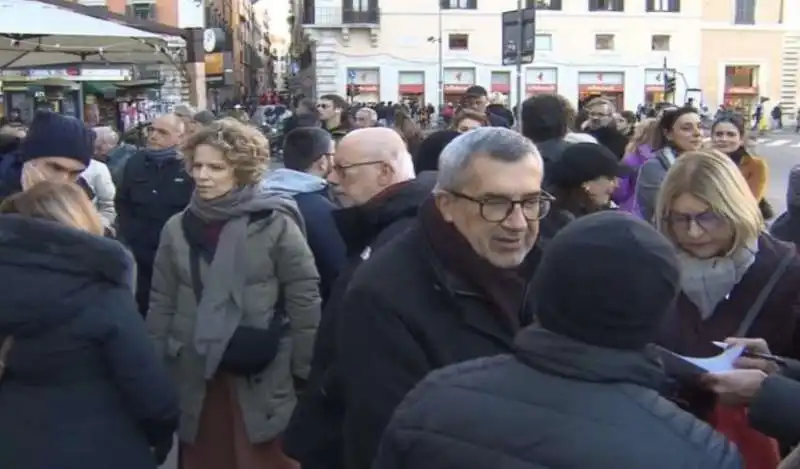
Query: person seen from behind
729, 135
546, 121
304, 115
308, 154
153, 187
736, 281
640, 149
234, 304
583, 368
408, 129
373, 179
80, 372
465, 265
679, 130
582, 182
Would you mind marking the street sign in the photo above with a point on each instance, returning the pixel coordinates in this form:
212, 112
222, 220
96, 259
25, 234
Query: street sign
510, 34
351, 75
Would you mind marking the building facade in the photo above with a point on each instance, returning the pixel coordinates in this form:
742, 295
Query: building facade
750, 51
404, 48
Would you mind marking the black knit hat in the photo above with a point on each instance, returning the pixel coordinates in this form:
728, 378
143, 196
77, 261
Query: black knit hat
607, 279
52, 134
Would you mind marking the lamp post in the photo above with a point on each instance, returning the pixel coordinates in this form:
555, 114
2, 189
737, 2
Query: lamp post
440, 54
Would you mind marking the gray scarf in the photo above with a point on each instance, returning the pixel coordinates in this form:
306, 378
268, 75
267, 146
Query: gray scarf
221, 307
706, 282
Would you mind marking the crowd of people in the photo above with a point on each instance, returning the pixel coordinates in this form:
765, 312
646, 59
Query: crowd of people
388, 298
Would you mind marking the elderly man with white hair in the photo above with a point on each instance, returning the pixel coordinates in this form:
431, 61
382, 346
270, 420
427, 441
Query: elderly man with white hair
98, 175
453, 287
373, 178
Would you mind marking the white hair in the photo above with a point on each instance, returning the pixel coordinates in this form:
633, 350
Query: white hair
575, 137
372, 114
106, 134
403, 165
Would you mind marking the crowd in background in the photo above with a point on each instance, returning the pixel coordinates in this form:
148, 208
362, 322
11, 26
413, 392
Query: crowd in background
393, 296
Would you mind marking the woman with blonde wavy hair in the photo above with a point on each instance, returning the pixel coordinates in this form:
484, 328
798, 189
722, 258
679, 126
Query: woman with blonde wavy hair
737, 281
639, 150
234, 304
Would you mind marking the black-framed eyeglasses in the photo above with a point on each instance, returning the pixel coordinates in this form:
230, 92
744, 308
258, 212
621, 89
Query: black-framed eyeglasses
342, 169
708, 221
498, 209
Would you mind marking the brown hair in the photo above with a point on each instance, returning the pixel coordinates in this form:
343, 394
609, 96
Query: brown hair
470, 114
644, 134
242, 146
61, 202
408, 129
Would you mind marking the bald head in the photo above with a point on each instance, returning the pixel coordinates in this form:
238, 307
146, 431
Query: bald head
165, 132
373, 141
366, 162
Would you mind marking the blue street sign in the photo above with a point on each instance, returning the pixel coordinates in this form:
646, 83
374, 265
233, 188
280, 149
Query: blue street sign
351, 75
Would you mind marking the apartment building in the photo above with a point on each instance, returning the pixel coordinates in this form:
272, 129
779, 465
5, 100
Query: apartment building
751, 50
387, 50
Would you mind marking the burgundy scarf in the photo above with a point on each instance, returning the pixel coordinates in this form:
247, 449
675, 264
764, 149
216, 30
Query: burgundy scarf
504, 288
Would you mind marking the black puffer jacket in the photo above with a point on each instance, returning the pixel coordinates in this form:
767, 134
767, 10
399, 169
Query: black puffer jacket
84, 388
558, 404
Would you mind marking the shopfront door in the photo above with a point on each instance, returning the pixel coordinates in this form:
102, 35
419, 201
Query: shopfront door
609, 85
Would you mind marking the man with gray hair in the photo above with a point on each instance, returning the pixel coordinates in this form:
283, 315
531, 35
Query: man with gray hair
451, 288
366, 117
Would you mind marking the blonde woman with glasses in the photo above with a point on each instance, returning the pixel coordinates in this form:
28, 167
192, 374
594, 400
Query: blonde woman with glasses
737, 281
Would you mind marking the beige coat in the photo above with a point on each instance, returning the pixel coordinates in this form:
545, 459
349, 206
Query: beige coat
279, 255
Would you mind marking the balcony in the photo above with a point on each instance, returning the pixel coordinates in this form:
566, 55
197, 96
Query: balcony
337, 17
367, 17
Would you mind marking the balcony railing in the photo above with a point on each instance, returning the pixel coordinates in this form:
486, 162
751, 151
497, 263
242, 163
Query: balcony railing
336, 17
370, 16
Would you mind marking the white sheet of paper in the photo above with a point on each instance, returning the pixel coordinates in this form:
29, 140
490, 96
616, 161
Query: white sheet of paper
720, 363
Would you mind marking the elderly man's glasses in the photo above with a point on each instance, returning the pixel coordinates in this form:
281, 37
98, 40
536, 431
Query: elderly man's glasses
498, 209
341, 169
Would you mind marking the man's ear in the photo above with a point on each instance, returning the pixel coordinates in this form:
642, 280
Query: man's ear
444, 203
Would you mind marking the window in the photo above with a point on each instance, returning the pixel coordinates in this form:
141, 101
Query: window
458, 41
459, 4
544, 42
745, 12
606, 5
142, 11
666, 6
361, 5
659, 42
604, 42
554, 5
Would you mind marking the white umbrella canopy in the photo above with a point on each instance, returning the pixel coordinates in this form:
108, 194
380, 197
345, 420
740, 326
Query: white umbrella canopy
38, 34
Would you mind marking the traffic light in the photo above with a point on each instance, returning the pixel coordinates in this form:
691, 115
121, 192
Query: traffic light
669, 87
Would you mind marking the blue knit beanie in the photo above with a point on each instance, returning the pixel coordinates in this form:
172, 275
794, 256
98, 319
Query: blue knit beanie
52, 134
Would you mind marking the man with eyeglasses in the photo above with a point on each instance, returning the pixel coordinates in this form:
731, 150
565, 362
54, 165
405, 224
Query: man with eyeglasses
373, 178
602, 126
454, 287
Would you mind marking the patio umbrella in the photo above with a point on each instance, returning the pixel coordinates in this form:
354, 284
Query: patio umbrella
43, 33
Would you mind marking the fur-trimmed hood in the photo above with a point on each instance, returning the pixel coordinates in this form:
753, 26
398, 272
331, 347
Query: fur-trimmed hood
49, 271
